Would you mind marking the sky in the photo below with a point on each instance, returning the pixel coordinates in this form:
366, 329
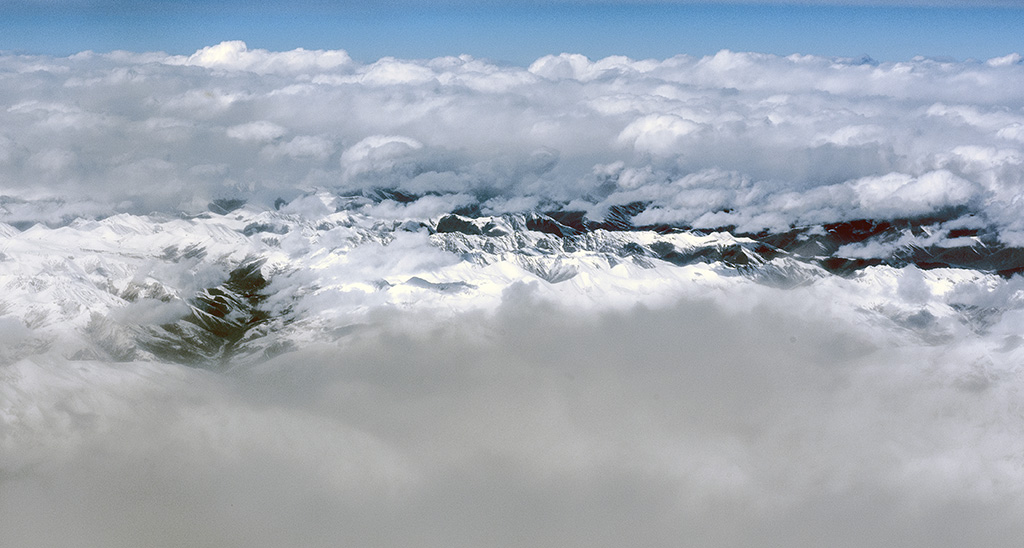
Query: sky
519, 32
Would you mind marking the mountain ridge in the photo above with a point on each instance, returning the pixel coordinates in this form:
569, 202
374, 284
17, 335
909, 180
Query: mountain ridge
239, 283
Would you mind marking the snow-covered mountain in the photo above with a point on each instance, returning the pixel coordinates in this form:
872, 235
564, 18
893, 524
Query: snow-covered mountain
240, 284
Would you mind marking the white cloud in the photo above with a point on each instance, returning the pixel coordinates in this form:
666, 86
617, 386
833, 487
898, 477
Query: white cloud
1004, 61
814, 138
898, 194
658, 134
259, 131
389, 71
746, 416
377, 153
564, 66
235, 55
776, 423
426, 208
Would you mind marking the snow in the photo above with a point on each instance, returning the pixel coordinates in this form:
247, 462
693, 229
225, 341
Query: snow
330, 268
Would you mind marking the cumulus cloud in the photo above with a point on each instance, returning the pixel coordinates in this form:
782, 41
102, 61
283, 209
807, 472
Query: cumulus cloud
377, 153
235, 55
811, 139
658, 134
898, 194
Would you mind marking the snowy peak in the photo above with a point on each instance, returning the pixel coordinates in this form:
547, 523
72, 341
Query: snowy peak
239, 283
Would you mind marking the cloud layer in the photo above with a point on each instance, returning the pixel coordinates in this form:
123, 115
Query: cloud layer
881, 410
752, 140
534, 426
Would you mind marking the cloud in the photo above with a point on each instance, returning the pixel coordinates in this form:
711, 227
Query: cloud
426, 208
260, 131
812, 139
235, 55
658, 134
722, 412
377, 153
896, 194
389, 71
534, 426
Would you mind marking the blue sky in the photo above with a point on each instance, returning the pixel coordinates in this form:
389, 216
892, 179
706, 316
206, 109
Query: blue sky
521, 31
